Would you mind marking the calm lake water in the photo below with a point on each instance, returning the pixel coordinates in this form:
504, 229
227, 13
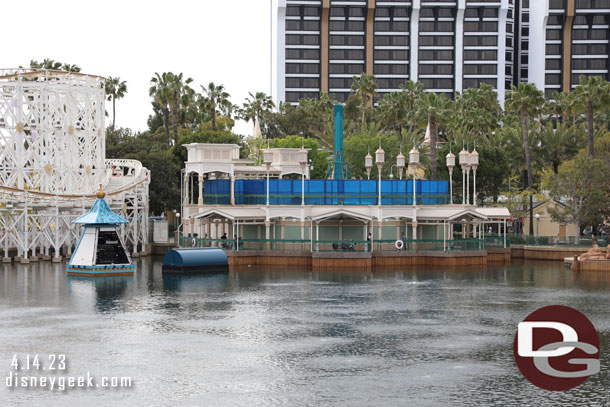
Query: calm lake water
294, 338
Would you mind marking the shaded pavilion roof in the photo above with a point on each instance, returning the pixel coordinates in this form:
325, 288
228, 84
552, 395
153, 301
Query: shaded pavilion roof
100, 214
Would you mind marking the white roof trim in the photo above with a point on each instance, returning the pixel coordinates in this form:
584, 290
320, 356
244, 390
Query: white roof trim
473, 213
342, 212
214, 212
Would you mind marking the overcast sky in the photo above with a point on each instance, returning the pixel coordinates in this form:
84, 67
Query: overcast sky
224, 41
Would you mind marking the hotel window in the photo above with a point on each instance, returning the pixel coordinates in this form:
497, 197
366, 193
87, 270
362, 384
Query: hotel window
382, 12
340, 83
437, 83
552, 79
554, 34
391, 40
477, 82
553, 64
389, 69
354, 40
431, 55
484, 55
441, 40
294, 39
348, 54
433, 69
352, 69
356, 12
311, 11
390, 55
390, 83
337, 12
293, 11
302, 83
590, 49
482, 41
556, 4
588, 4
303, 54
303, 68
553, 49
487, 69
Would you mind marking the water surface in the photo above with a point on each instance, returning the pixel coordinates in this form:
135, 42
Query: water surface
294, 338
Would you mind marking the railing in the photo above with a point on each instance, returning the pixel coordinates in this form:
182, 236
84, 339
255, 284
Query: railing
344, 246
318, 199
560, 241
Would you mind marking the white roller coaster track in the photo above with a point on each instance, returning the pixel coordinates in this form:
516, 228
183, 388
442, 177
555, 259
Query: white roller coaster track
52, 149
39, 223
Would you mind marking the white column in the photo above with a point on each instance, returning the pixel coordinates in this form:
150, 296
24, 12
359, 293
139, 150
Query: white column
232, 190
459, 45
414, 229
317, 236
504, 233
278, 45
474, 187
468, 186
501, 71
187, 200
200, 199
539, 14
414, 39
444, 236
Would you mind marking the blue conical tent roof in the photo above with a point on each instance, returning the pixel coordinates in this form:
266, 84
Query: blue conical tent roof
100, 214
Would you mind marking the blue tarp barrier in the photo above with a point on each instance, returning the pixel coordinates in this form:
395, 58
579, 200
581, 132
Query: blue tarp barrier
327, 192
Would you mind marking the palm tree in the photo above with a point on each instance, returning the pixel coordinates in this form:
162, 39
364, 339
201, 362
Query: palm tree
161, 95
393, 111
365, 87
434, 109
255, 106
70, 68
178, 87
115, 89
480, 109
527, 101
217, 96
54, 65
591, 96
560, 144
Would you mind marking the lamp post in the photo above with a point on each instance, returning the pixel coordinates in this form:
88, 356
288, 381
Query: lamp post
450, 164
400, 163
474, 163
303, 162
537, 216
268, 159
413, 163
379, 158
464, 158
368, 164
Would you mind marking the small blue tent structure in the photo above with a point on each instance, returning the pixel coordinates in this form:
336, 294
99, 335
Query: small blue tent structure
100, 251
198, 260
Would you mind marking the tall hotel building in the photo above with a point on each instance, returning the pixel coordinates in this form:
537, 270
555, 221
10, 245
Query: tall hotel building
449, 46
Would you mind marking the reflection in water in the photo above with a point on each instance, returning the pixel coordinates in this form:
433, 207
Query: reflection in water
266, 336
109, 290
